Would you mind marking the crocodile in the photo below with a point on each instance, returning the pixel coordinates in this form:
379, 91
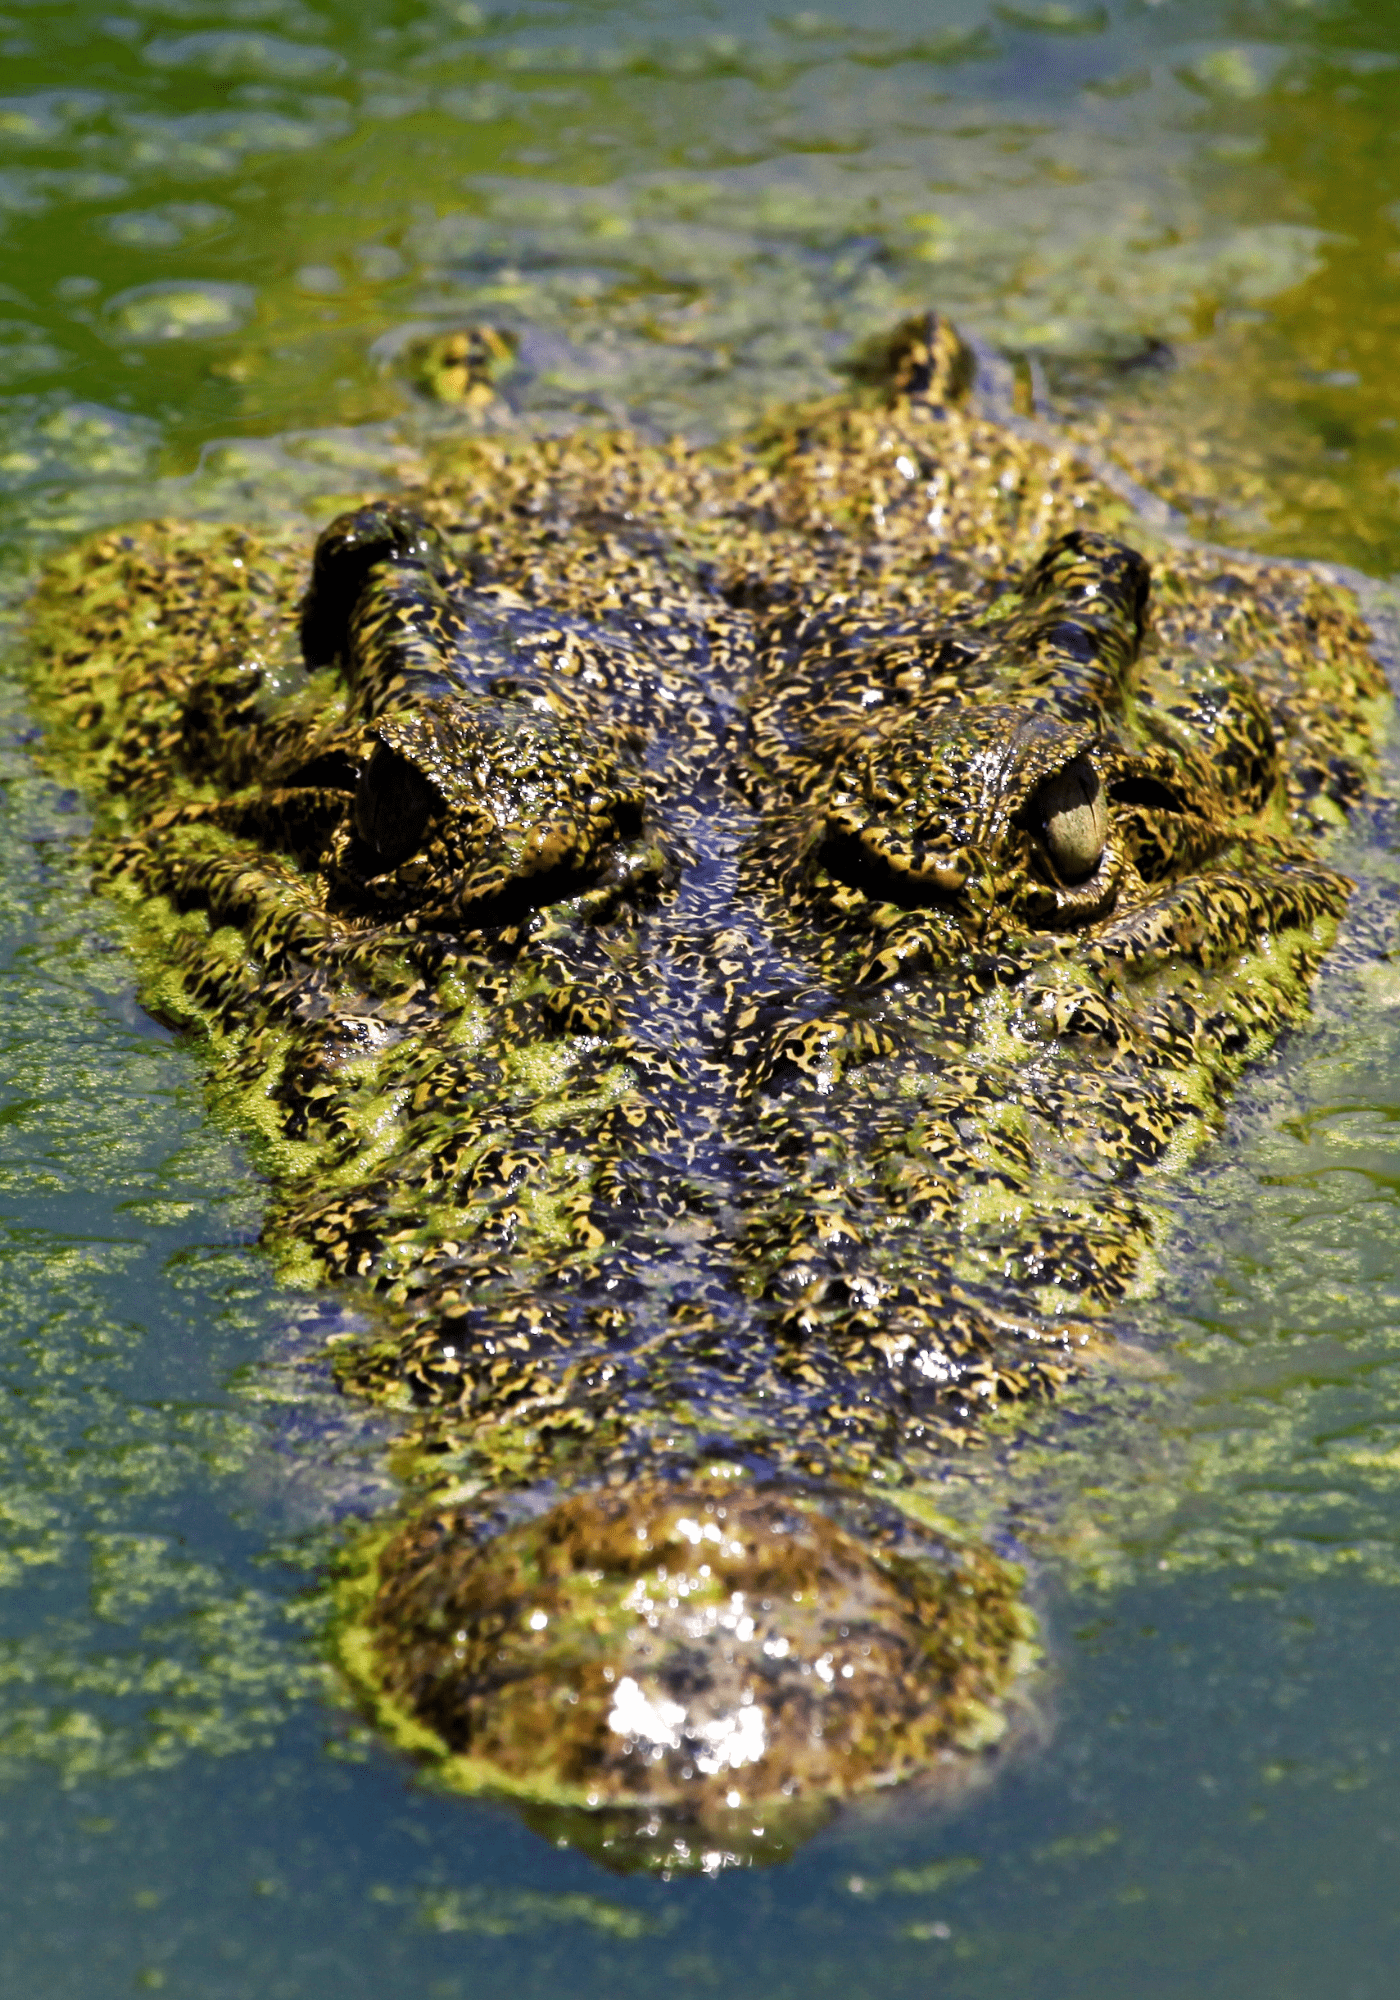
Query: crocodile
720, 949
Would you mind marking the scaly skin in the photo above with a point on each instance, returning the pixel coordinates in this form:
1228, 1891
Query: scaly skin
721, 947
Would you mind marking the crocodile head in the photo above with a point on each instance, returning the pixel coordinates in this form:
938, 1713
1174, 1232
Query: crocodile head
722, 948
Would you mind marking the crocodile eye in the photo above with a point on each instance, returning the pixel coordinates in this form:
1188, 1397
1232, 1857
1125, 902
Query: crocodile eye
393, 805
1073, 819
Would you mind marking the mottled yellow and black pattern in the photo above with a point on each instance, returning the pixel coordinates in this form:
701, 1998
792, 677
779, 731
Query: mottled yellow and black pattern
720, 945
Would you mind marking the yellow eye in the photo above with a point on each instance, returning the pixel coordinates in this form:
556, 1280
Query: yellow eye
1074, 820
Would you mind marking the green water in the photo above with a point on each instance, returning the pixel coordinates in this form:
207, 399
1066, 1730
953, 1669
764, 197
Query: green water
219, 225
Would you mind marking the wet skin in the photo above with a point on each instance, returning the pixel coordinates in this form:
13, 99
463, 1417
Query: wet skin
720, 948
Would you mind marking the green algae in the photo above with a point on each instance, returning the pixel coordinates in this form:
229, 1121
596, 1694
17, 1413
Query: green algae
147, 1654
480, 1913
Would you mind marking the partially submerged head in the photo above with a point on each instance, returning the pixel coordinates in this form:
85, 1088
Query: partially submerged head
732, 1662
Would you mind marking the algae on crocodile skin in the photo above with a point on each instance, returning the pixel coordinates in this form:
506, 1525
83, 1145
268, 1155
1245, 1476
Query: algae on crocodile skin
581, 1318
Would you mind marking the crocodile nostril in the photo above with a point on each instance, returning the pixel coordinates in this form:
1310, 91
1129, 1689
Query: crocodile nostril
1074, 820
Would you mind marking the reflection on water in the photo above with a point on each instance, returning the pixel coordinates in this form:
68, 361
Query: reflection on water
222, 226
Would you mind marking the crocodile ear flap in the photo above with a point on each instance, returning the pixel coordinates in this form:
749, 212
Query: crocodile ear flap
345, 554
393, 805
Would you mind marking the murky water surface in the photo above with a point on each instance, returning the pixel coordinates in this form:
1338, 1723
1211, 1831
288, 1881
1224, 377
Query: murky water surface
220, 224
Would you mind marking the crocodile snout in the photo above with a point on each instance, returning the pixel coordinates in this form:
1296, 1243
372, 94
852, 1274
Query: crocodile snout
696, 1651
